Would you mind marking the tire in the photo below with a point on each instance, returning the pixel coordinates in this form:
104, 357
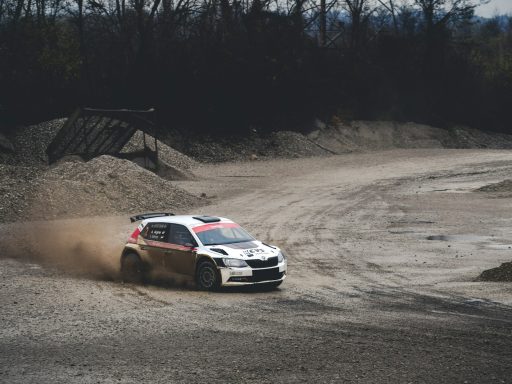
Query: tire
132, 269
207, 276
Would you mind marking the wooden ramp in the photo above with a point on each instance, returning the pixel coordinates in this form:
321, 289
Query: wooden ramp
89, 133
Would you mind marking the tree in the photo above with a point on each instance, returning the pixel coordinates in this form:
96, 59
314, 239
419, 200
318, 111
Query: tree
359, 12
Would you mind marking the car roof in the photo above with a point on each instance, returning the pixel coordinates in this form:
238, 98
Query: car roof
187, 220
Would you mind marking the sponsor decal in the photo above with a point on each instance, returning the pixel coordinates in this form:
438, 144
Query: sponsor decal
254, 252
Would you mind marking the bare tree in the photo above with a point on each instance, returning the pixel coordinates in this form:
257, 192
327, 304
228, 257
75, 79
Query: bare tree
441, 12
359, 12
390, 6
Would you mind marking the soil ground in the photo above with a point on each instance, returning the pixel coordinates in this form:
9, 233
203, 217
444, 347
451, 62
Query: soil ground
384, 252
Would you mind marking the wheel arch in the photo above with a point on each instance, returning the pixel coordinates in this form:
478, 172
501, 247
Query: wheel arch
131, 251
127, 251
203, 257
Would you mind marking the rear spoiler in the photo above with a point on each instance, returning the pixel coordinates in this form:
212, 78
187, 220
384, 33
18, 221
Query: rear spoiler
145, 216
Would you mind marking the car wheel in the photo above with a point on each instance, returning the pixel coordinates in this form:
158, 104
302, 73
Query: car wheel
132, 269
207, 276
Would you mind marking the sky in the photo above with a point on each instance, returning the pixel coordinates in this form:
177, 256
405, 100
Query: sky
499, 6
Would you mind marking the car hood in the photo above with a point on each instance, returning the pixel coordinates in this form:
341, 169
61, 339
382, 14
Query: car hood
247, 250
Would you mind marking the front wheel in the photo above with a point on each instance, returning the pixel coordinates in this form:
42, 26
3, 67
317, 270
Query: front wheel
207, 276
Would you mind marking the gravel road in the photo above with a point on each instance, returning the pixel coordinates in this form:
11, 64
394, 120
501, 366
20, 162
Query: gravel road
384, 250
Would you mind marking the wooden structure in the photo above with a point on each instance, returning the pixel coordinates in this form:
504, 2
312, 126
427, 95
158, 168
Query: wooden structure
89, 133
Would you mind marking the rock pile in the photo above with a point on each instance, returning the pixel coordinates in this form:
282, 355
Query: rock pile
15, 185
358, 136
278, 144
501, 273
30, 143
166, 154
104, 185
29, 148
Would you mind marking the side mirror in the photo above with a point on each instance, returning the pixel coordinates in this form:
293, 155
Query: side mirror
190, 245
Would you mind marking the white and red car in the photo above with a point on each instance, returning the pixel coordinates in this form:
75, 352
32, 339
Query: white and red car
214, 251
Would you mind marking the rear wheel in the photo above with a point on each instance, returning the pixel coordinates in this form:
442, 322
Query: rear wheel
207, 276
132, 269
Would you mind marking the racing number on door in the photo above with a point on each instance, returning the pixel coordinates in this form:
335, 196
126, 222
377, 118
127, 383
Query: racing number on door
155, 235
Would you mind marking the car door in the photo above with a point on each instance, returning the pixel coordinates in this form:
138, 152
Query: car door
181, 255
155, 245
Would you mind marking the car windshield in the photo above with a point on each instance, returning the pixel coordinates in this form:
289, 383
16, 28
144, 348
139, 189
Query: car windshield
219, 236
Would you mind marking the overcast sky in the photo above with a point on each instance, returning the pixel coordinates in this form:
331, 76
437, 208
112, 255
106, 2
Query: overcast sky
500, 6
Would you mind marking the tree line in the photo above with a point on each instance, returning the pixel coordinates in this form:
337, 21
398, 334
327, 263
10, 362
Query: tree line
225, 65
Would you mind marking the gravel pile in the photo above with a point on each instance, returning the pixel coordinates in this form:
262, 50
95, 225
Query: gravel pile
381, 135
279, 144
30, 143
16, 184
5, 145
104, 185
501, 273
464, 137
166, 154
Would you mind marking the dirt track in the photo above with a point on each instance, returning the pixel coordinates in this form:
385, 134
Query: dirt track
369, 297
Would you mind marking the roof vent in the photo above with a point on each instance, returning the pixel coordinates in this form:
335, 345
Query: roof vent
207, 219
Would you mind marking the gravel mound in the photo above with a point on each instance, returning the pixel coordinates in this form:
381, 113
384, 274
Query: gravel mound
167, 155
16, 184
382, 135
504, 186
104, 185
278, 144
501, 273
339, 138
5, 145
30, 143
29, 146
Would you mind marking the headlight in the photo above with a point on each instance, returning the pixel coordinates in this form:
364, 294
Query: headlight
237, 263
281, 257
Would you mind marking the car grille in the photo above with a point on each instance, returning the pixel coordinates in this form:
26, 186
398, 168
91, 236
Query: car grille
259, 275
270, 262
266, 274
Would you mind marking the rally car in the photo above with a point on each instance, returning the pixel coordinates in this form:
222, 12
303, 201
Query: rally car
214, 251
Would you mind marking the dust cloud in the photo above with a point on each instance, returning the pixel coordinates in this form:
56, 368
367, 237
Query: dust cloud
81, 247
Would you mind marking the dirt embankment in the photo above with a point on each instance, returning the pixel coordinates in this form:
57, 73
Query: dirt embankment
382, 135
339, 138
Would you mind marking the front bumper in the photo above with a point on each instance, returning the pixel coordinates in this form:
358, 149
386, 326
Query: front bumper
251, 276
